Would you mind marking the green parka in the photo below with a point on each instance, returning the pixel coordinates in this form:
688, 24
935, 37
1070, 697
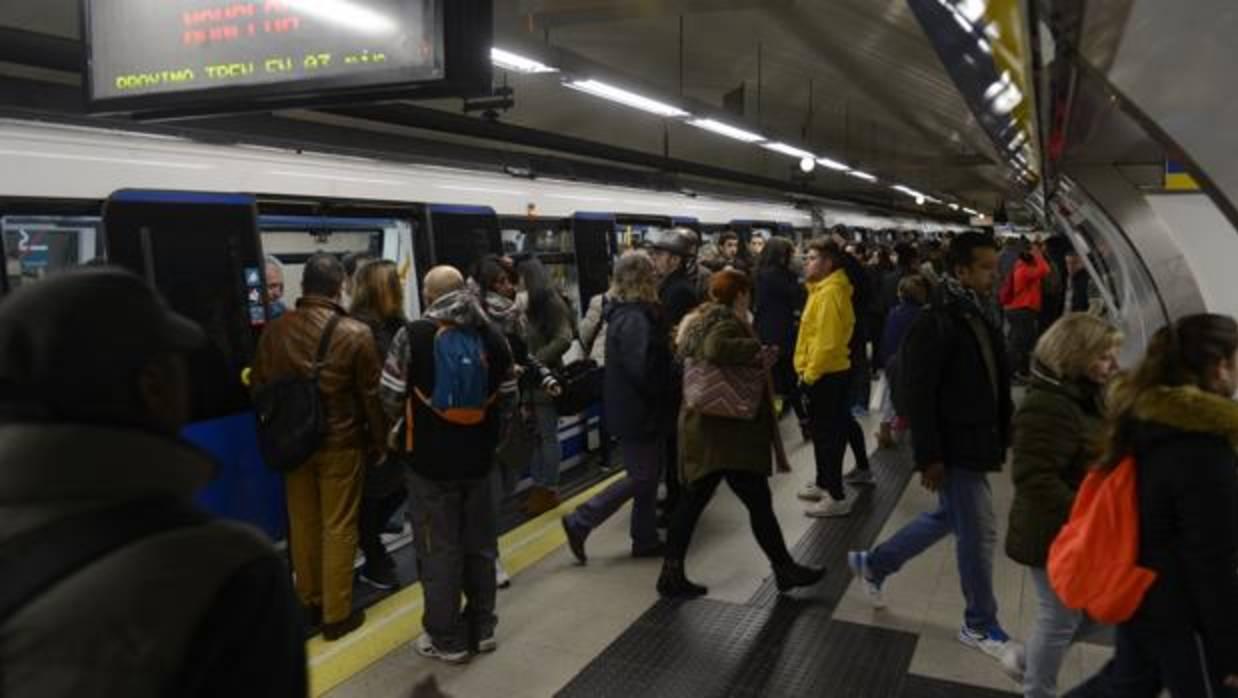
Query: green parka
711, 444
1056, 430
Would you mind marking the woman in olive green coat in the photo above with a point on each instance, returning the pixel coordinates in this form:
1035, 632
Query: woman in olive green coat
1057, 429
713, 449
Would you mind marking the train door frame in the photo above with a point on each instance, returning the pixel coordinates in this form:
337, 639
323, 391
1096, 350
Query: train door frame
412, 215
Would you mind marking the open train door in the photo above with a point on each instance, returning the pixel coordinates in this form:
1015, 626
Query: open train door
203, 253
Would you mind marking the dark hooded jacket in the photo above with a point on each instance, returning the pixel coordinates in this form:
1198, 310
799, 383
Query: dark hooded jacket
443, 450
639, 398
956, 382
1056, 430
1184, 442
202, 610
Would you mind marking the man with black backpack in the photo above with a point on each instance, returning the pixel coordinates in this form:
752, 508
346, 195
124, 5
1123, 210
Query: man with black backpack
114, 583
442, 379
318, 342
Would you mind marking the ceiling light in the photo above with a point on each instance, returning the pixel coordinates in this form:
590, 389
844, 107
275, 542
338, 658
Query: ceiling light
954, 207
726, 130
832, 164
861, 175
787, 150
631, 99
511, 61
807, 165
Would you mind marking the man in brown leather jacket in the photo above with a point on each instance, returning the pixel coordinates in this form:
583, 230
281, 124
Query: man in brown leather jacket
324, 493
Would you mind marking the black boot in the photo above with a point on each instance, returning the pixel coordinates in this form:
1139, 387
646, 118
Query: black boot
673, 584
792, 575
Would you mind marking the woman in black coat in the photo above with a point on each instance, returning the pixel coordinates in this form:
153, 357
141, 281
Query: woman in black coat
1176, 416
779, 300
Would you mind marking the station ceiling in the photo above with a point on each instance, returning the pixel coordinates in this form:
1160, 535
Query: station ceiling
854, 80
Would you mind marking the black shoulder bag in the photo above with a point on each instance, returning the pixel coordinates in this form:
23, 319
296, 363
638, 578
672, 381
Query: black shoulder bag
292, 420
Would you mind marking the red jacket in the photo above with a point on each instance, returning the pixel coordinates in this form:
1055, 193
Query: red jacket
1027, 283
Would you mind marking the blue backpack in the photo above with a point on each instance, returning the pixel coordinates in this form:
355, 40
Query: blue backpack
461, 392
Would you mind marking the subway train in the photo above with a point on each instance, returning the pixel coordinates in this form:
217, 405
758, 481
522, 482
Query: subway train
57, 179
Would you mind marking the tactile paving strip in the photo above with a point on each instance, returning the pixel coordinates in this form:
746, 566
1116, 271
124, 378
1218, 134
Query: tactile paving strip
708, 649
827, 542
925, 687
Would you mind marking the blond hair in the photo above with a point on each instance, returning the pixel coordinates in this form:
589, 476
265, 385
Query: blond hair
378, 290
635, 278
1070, 345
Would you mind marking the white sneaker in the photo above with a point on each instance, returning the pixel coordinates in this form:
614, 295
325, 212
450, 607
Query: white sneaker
860, 477
501, 579
998, 645
829, 507
425, 647
857, 560
811, 493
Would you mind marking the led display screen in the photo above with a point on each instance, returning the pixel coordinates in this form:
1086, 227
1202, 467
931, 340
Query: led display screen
146, 54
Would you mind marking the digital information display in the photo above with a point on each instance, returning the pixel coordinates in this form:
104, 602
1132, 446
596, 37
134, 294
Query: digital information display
261, 49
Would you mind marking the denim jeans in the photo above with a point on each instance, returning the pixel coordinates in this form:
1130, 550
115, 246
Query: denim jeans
1056, 627
643, 461
544, 469
965, 508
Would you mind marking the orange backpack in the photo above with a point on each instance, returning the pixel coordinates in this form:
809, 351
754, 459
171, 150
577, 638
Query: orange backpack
1094, 561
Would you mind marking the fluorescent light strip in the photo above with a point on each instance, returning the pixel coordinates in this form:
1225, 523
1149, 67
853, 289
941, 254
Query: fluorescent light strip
726, 130
511, 61
788, 150
631, 99
832, 164
861, 175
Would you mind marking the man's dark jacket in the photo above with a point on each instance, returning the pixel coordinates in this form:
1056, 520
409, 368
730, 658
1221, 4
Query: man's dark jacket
958, 415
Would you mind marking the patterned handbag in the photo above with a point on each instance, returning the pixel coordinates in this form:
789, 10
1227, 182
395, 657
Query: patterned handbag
734, 392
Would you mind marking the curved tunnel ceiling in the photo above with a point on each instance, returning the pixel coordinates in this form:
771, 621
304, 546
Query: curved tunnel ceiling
854, 80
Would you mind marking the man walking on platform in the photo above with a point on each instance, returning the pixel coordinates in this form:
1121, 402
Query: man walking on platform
823, 364
442, 376
959, 407
324, 493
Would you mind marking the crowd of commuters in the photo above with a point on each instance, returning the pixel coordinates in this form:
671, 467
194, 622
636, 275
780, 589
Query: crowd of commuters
423, 414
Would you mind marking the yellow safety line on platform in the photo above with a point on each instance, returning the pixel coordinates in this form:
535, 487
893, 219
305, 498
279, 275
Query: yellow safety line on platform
396, 620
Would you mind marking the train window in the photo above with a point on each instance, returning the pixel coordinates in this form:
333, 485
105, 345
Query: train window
35, 246
554, 245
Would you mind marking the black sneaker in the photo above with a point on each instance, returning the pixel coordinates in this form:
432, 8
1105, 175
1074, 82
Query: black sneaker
788, 577
381, 577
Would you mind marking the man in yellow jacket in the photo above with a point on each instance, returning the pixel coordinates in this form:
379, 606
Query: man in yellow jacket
823, 363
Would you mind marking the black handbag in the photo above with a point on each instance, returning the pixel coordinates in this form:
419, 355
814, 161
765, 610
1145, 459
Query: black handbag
517, 442
581, 382
292, 420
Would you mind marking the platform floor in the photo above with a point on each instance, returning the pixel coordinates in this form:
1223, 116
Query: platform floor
601, 630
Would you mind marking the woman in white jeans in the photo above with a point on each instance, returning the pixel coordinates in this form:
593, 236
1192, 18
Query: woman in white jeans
1056, 429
